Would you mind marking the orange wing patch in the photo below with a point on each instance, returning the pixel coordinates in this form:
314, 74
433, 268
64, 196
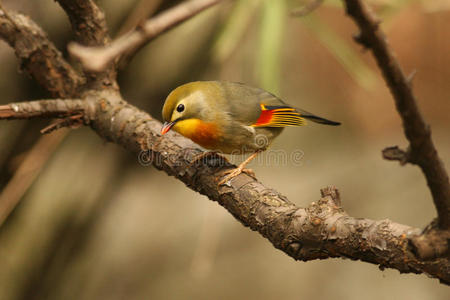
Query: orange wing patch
279, 116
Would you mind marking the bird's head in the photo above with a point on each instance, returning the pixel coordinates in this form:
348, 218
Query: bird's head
184, 107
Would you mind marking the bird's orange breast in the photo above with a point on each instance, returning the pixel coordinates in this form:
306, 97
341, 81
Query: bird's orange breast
206, 134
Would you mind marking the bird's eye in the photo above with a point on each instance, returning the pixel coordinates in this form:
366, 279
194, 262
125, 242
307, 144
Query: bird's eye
180, 108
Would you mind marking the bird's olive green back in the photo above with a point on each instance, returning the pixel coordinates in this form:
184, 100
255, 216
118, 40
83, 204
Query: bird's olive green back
244, 102
222, 100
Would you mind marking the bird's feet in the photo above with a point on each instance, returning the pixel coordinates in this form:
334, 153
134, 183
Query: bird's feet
230, 174
240, 169
206, 155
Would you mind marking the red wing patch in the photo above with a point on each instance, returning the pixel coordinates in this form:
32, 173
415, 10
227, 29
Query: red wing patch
279, 116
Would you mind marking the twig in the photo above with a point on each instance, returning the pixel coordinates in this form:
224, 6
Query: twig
421, 149
27, 172
54, 108
395, 153
97, 59
142, 10
38, 56
74, 121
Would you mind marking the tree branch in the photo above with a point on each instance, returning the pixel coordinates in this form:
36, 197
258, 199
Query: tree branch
38, 56
395, 153
27, 172
90, 29
421, 149
88, 22
97, 59
322, 230
53, 108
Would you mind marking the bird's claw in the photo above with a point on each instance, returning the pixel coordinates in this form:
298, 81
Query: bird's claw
235, 172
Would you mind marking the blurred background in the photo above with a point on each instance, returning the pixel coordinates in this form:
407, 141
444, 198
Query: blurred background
92, 223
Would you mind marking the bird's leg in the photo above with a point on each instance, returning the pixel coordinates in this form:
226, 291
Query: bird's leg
207, 154
240, 169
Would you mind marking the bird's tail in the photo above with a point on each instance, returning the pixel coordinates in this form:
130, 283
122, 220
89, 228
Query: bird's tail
314, 118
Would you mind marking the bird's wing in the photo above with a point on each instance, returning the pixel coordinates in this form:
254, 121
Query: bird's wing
258, 108
279, 116
276, 113
242, 102
285, 115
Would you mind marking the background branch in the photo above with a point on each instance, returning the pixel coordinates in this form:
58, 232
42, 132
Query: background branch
27, 172
90, 29
143, 10
38, 56
97, 59
88, 22
421, 149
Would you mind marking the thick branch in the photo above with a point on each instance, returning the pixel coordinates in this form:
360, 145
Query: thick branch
54, 108
319, 231
38, 56
90, 29
422, 150
97, 58
88, 22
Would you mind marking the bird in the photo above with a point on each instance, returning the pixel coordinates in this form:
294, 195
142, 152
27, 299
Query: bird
230, 118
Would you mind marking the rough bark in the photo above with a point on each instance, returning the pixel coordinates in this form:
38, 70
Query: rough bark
53, 108
90, 29
38, 56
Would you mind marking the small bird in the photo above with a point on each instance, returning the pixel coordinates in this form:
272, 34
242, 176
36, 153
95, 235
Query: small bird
230, 118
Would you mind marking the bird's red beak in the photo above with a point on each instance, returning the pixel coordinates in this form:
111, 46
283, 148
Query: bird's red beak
166, 127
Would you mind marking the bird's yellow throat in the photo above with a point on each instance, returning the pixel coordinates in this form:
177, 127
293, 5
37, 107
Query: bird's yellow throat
202, 133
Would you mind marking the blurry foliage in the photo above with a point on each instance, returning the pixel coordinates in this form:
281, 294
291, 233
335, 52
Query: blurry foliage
233, 30
271, 34
272, 28
341, 50
272, 31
